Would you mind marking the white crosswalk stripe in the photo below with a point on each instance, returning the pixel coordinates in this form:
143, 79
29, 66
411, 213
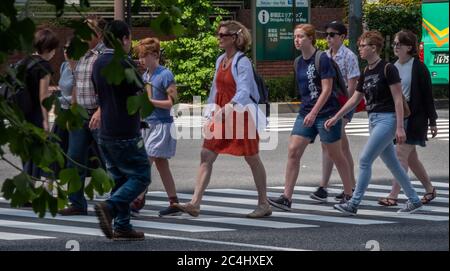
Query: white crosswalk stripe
357, 127
224, 210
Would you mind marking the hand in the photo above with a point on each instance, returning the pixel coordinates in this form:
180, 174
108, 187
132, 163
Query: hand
46, 126
330, 123
309, 119
94, 123
433, 130
400, 136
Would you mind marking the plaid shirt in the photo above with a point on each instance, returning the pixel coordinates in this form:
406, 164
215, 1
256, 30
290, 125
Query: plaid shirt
86, 95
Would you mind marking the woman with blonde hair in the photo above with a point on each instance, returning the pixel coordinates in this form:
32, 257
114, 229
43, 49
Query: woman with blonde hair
319, 102
233, 88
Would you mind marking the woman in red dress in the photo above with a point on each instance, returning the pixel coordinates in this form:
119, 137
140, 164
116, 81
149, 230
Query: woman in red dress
226, 133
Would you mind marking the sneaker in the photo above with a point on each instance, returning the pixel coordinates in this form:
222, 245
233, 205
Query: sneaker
170, 211
411, 207
341, 195
134, 213
320, 195
187, 208
130, 235
346, 208
72, 210
345, 198
104, 217
281, 202
260, 211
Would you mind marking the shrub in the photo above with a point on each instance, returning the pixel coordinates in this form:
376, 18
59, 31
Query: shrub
282, 89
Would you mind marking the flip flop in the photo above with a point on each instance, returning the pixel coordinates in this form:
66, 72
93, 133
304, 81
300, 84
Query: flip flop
428, 197
388, 202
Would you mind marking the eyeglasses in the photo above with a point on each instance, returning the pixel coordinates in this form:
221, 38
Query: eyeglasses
332, 34
396, 45
362, 45
65, 48
222, 35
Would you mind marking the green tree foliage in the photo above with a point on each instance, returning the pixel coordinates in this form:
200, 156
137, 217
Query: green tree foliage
28, 142
192, 57
389, 17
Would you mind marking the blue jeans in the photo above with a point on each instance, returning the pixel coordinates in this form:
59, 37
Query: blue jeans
80, 142
382, 127
128, 165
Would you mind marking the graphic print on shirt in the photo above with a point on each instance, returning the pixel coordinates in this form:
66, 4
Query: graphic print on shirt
313, 91
369, 87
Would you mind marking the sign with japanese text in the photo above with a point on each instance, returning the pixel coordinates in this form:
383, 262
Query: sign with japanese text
274, 27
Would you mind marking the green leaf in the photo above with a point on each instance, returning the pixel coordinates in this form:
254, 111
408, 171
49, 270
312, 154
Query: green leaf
104, 183
132, 77
8, 189
136, 7
89, 190
77, 48
114, 73
48, 102
59, 5
142, 103
40, 203
70, 176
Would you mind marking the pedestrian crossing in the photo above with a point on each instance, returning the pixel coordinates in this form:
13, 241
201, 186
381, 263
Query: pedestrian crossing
224, 210
357, 127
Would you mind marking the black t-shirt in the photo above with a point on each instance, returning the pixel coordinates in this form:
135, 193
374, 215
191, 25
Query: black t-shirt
375, 86
33, 78
116, 123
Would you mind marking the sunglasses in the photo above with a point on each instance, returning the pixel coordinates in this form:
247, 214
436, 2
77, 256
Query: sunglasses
222, 35
332, 34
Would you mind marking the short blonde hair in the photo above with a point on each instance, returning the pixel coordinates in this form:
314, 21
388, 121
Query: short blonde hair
374, 38
147, 46
310, 31
244, 38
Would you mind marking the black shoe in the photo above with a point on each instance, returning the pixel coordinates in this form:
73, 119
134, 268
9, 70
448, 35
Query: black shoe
170, 211
130, 235
320, 195
72, 210
345, 199
341, 195
105, 218
281, 202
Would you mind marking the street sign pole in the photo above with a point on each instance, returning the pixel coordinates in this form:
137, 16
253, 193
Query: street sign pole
355, 24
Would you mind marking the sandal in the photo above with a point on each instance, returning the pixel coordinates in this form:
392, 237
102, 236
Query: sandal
388, 201
428, 197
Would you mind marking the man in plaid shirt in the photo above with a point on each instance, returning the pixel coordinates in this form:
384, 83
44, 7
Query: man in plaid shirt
81, 141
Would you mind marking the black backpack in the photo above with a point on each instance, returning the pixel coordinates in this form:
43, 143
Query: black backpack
262, 88
338, 80
13, 88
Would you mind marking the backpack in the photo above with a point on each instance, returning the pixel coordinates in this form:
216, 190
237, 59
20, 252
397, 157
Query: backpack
338, 80
263, 90
13, 89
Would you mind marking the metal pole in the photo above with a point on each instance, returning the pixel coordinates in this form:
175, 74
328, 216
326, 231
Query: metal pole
254, 18
294, 23
355, 23
129, 13
119, 10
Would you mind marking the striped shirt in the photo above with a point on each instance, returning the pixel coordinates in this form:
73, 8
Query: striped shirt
86, 95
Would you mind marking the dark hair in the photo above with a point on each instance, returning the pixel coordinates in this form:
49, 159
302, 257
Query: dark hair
408, 38
338, 26
45, 40
115, 30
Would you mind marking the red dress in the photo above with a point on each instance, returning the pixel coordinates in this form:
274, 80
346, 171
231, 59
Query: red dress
249, 144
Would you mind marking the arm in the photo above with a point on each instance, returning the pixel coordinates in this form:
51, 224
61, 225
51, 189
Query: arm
426, 87
397, 94
44, 92
351, 103
352, 82
327, 85
169, 102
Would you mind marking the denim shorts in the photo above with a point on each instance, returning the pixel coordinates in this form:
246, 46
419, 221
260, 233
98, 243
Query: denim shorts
327, 137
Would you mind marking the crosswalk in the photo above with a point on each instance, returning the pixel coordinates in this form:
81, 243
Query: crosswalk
357, 127
224, 210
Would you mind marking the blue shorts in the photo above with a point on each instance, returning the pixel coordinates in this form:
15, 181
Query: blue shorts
326, 137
